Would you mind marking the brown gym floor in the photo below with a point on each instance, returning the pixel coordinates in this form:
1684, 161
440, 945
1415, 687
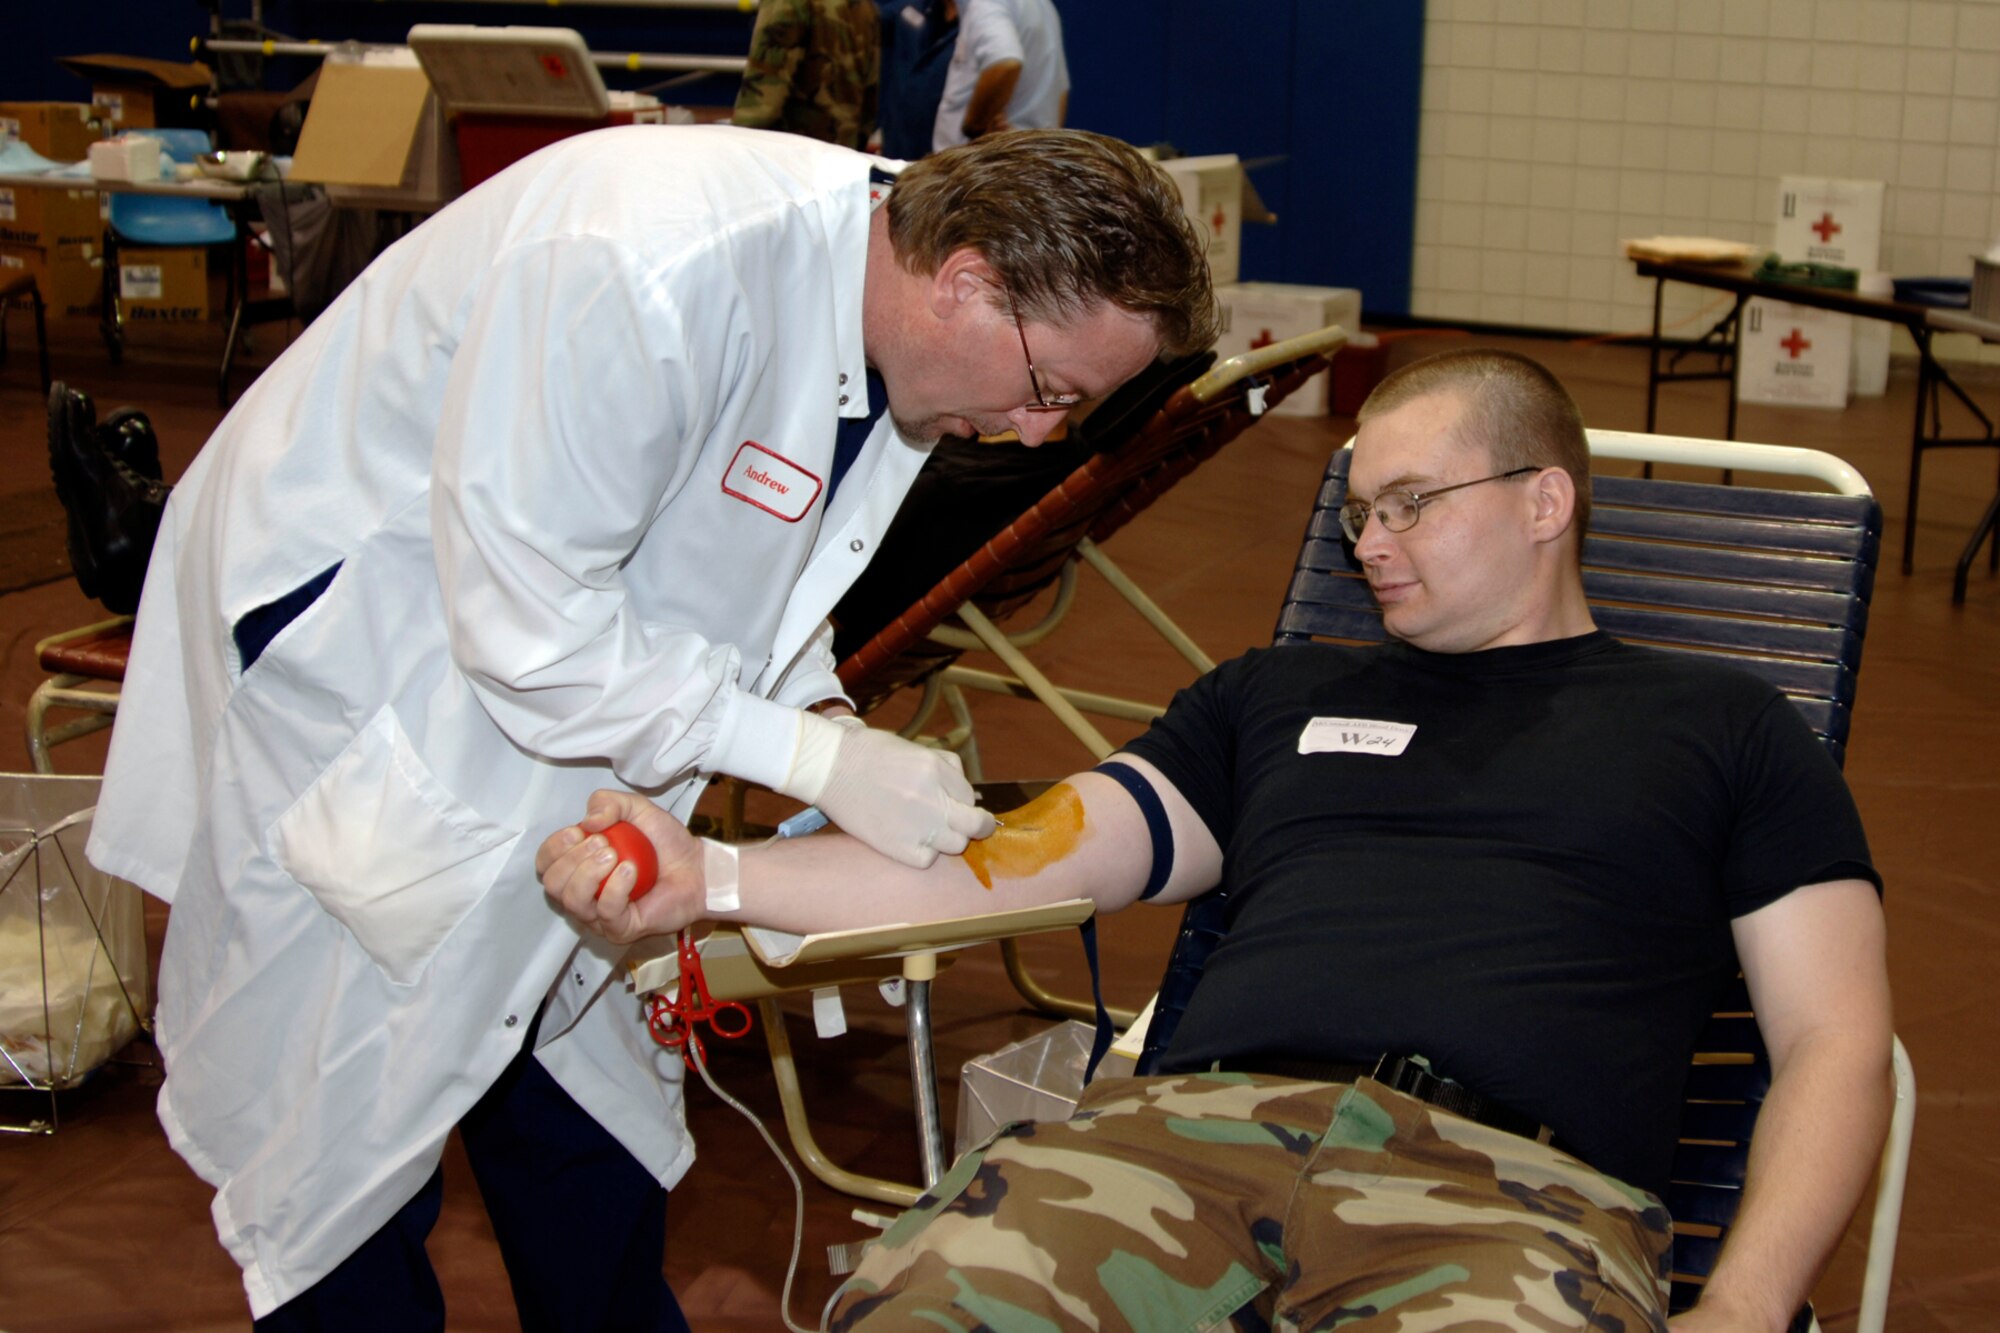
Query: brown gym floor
102, 1227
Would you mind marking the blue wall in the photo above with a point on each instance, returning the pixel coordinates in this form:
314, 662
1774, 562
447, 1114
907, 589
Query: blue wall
1325, 93
1320, 96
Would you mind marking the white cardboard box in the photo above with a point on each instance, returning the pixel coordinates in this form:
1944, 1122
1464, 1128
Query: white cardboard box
1257, 314
129, 157
1829, 222
1792, 355
1219, 198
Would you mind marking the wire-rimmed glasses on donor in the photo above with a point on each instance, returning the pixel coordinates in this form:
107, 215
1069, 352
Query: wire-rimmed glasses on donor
1399, 510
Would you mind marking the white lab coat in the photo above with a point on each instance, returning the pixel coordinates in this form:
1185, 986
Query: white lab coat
525, 435
992, 31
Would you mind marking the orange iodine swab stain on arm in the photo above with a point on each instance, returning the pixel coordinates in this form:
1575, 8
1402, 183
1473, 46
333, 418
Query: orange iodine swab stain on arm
1040, 833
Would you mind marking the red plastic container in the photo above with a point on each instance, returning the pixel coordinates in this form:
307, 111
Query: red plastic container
488, 145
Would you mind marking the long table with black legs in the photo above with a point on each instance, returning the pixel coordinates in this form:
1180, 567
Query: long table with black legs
1934, 380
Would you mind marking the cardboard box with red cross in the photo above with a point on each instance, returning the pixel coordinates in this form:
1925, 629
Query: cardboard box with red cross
1829, 222
1219, 200
1257, 314
1793, 355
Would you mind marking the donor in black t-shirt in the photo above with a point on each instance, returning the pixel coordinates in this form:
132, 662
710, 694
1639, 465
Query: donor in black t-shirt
1521, 863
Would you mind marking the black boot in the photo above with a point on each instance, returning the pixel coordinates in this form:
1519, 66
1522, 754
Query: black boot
127, 435
114, 511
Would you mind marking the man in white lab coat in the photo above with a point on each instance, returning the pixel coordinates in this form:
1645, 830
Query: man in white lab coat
557, 494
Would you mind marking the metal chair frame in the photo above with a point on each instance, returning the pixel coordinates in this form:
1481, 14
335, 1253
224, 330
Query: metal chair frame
86, 666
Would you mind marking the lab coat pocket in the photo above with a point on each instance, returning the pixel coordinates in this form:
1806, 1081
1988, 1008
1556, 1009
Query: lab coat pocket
387, 851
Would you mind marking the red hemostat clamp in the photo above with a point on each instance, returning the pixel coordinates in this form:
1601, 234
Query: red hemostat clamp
673, 1017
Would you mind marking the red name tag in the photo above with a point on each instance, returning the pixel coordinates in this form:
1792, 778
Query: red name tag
774, 484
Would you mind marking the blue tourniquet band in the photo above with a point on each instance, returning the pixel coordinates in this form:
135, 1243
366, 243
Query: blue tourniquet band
1162, 835
1157, 827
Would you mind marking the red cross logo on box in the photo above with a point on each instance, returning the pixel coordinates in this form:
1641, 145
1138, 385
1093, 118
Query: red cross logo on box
1826, 227
1263, 339
1795, 343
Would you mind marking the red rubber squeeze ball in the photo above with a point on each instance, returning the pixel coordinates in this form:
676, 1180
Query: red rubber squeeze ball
633, 849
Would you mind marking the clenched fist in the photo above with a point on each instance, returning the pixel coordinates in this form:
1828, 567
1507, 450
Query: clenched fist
583, 875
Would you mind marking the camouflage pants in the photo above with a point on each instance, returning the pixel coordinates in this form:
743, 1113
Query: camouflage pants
1240, 1201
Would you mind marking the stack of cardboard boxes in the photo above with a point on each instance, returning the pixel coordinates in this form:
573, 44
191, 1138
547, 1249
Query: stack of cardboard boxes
1803, 357
53, 231
56, 231
1219, 200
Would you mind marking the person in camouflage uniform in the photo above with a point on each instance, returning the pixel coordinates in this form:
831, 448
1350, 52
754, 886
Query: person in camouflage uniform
814, 69
1324, 1189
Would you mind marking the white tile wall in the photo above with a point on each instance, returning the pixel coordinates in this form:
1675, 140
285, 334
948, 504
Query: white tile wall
1554, 129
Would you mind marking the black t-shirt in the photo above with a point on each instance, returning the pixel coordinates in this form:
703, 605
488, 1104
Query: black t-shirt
1535, 893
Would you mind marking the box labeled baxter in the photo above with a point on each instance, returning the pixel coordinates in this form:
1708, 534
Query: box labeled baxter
169, 284
49, 215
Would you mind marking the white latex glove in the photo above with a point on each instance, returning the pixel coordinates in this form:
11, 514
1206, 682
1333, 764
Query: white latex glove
907, 801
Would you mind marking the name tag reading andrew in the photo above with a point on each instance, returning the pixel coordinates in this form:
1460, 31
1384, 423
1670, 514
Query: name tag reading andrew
1355, 735
771, 482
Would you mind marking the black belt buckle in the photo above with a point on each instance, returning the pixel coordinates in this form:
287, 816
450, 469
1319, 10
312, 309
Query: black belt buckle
1401, 1073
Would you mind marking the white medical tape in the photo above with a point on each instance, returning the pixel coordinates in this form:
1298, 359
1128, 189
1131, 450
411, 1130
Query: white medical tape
718, 872
829, 1015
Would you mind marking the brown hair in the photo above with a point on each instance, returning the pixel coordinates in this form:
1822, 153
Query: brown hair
1513, 406
1067, 219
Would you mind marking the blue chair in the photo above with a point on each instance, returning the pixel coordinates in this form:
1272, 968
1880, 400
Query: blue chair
153, 219
1776, 581
165, 220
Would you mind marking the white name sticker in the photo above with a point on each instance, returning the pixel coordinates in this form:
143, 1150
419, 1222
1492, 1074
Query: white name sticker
773, 484
1355, 735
